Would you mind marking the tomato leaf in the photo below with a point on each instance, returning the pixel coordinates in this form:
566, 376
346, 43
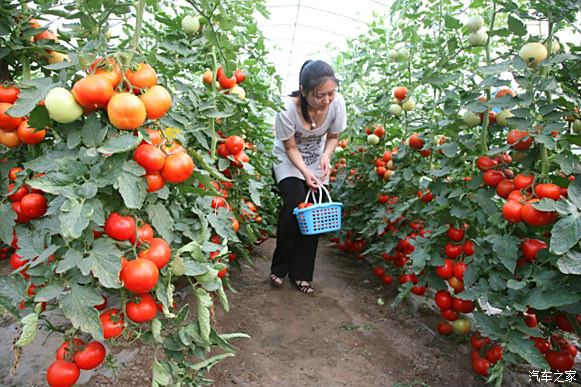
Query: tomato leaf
161, 220
123, 143
450, 149
517, 26
558, 294
94, 131
525, 348
506, 249
156, 330
569, 163
565, 234
29, 325
194, 268
574, 193
49, 292
12, 287
77, 306
484, 201
75, 216
570, 263
255, 187
223, 299
31, 93
204, 302
210, 362
69, 260
8, 217
104, 262
133, 189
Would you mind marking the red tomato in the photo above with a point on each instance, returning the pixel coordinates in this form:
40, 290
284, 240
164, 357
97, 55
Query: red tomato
534, 217
446, 271
550, 191
108, 68
20, 217
453, 251
142, 311
443, 299
455, 234
511, 210
480, 365
29, 135
378, 271
444, 329
18, 194
541, 344
154, 181
121, 228
144, 234
468, 248
157, 101
139, 276
144, 76
234, 144
400, 93
65, 352
12, 174
515, 139
33, 205
388, 279
91, 356
126, 111
462, 306
93, 92
505, 91
177, 168
459, 269
560, 360
8, 94
493, 177
449, 314
530, 248
523, 181
416, 141
485, 163
240, 76
425, 197
387, 156
158, 252
102, 305
8, 123
478, 341
504, 188
379, 131
227, 83
62, 373
112, 322
419, 290
150, 157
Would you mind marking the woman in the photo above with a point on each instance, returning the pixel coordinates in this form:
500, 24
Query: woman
306, 136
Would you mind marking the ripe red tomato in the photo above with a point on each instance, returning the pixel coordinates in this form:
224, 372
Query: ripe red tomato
150, 157
505, 91
121, 228
530, 248
33, 205
400, 92
388, 279
455, 234
240, 76
459, 269
157, 101
480, 365
142, 311
468, 248
484, 163
158, 252
62, 373
515, 139
425, 197
29, 135
560, 360
387, 156
453, 251
20, 217
419, 290
155, 181
18, 194
443, 299
382, 199
531, 320
108, 68
504, 188
177, 168
139, 276
102, 305
478, 341
112, 322
126, 111
65, 352
446, 271
91, 356
511, 210
534, 217
416, 141
144, 234
143, 76
550, 191
378, 271
541, 344
523, 181
462, 306
93, 92
8, 94
227, 83
563, 323
379, 131
444, 329
8, 123
493, 177
449, 314
12, 174
234, 144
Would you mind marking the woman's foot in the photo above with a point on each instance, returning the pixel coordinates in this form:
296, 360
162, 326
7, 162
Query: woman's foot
303, 287
275, 280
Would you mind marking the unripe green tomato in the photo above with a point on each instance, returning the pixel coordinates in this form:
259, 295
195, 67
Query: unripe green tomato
393, 55
191, 24
478, 38
475, 23
403, 54
533, 53
577, 126
395, 109
471, 119
408, 105
461, 326
62, 106
372, 139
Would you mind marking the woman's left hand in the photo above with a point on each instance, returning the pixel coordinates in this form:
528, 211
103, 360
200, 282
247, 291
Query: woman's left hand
324, 166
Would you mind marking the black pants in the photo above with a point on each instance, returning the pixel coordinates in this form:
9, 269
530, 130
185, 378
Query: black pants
295, 252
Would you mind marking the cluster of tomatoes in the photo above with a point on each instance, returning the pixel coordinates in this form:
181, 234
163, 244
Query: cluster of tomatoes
71, 357
230, 84
15, 130
402, 101
27, 203
171, 164
492, 353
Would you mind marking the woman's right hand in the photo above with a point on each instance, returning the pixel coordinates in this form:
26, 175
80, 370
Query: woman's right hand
312, 182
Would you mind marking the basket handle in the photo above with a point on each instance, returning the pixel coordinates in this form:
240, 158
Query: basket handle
321, 190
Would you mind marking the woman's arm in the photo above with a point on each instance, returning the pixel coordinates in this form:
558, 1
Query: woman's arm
295, 157
330, 145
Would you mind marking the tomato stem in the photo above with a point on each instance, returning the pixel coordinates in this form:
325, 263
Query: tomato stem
486, 121
212, 119
138, 25
25, 67
545, 74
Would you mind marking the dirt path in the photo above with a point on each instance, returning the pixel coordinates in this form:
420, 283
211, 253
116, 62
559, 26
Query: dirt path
338, 337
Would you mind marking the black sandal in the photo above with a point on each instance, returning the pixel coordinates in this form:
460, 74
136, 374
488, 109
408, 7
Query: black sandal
276, 280
303, 287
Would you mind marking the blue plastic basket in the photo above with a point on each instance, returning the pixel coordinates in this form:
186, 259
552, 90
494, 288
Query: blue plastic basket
319, 218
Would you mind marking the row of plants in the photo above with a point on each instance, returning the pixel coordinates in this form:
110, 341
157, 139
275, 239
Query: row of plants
132, 175
466, 135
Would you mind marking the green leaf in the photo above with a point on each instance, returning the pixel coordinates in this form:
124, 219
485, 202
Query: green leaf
484, 201
123, 143
495, 68
545, 298
574, 193
419, 258
194, 268
525, 348
39, 118
13, 288
223, 299
7, 224
29, 325
161, 373
516, 26
210, 362
570, 263
70, 259
104, 262
156, 330
77, 306
506, 248
204, 302
93, 132
50, 291
450, 149
451, 22
133, 189
161, 220
75, 216
565, 234
31, 93
255, 187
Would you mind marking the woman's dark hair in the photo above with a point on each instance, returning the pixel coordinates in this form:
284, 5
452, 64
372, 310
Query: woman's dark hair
312, 75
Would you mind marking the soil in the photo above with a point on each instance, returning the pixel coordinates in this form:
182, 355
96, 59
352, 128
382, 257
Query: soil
346, 334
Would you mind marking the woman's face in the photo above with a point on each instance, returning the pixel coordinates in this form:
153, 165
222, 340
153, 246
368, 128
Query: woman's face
321, 97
